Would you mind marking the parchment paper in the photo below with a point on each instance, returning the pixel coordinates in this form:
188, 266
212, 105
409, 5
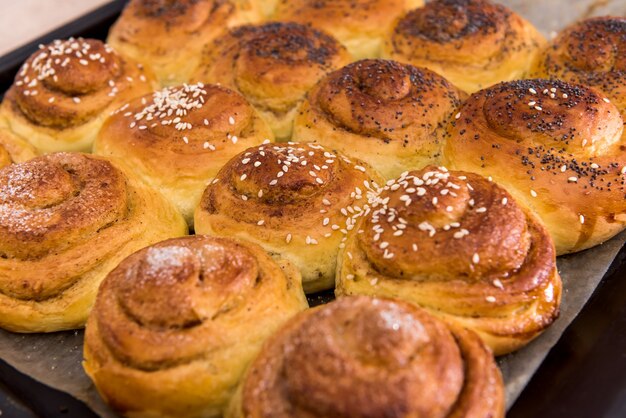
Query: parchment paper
55, 359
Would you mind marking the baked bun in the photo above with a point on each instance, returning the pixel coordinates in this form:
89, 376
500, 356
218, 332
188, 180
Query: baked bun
557, 147
66, 220
177, 139
295, 200
65, 91
472, 43
168, 35
360, 25
459, 246
361, 357
273, 66
591, 52
13, 149
176, 324
391, 115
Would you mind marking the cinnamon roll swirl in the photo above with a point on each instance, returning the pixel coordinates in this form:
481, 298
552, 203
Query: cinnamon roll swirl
557, 147
458, 245
66, 220
472, 43
592, 53
362, 357
64, 92
168, 35
178, 138
273, 66
176, 324
360, 25
295, 200
391, 115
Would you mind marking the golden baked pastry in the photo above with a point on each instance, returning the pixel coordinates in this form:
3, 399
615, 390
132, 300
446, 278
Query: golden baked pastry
557, 147
591, 52
295, 200
168, 35
273, 66
472, 43
177, 139
66, 220
360, 25
176, 324
63, 93
391, 115
363, 357
458, 245
13, 149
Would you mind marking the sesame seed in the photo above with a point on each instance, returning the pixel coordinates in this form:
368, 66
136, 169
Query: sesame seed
532, 91
231, 120
623, 170
538, 108
288, 238
244, 197
457, 116
260, 193
475, 258
497, 283
326, 221
326, 202
243, 176
261, 222
257, 163
565, 96
563, 168
572, 179
505, 200
358, 167
606, 100
384, 245
490, 299
374, 281
595, 166
414, 246
533, 193
582, 219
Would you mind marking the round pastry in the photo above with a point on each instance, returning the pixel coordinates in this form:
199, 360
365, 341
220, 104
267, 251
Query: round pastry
472, 43
391, 115
66, 220
13, 149
295, 200
360, 25
557, 147
176, 324
273, 66
592, 53
177, 139
362, 357
168, 35
65, 91
458, 245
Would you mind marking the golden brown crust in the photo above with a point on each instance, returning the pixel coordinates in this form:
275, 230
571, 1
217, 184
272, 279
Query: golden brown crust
459, 246
273, 66
391, 115
364, 357
592, 53
63, 93
292, 199
178, 138
65, 221
557, 147
13, 149
359, 24
152, 32
473, 43
176, 324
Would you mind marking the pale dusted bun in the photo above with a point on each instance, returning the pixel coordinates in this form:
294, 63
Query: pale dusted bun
66, 220
177, 139
295, 200
168, 35
458, 245
557, 147
363, 357
273, 66
391, 115
360, 25
591, 52
176, 324
13, 149
472, 43
64, 92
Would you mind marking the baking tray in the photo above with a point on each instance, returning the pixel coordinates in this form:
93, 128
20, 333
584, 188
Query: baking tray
54, 359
